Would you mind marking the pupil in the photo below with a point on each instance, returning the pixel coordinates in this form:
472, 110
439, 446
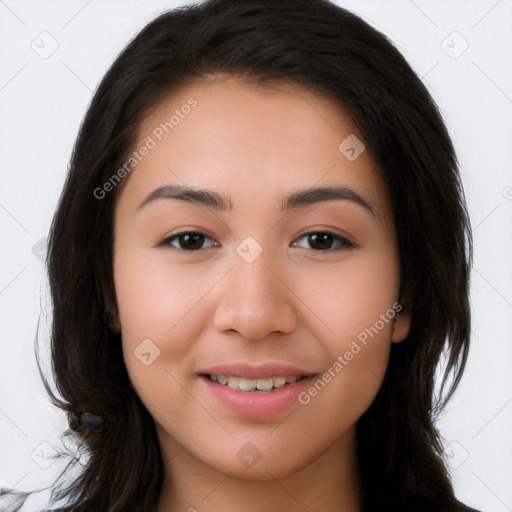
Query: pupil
190, 239
319, 239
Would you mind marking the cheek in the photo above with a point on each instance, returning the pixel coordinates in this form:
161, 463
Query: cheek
153, 302
357, 305
352, 297
151, 294
358, 355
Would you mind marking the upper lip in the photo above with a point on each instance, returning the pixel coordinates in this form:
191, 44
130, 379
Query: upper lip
256, 371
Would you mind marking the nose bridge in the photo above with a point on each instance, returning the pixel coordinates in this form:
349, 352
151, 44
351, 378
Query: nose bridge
251, 267
254, 301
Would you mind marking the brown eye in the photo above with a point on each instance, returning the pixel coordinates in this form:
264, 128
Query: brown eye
324, 240
187, 241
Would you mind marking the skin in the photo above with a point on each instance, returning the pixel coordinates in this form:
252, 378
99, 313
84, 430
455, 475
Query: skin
294, 303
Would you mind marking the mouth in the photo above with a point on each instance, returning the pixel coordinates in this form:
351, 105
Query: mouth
262, 385
257, 398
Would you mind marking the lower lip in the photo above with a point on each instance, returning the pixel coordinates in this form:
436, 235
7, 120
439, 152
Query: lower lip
257, 404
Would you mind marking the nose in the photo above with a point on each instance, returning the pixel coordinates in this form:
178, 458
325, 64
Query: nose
256, 300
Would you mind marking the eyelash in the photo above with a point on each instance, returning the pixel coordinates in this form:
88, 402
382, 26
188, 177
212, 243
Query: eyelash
344, 242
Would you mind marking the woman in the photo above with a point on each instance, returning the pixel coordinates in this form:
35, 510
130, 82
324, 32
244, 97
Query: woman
261, 251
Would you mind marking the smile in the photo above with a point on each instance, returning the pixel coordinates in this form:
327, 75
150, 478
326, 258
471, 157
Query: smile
266, 385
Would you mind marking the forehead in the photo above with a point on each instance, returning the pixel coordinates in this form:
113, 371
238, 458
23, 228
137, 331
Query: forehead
246, 140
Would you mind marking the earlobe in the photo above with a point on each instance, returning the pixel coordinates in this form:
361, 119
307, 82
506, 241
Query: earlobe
401, 325
113, 319
115, 325
111, 311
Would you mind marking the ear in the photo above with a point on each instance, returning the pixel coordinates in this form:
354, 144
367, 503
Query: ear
111, 310
401, 322
115, 324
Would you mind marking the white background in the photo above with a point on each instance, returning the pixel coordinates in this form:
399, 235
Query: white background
42, 102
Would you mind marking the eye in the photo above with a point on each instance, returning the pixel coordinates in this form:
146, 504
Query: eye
192, 241
189, 241
325, 240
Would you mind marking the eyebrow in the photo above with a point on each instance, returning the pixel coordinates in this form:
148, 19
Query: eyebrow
222, 203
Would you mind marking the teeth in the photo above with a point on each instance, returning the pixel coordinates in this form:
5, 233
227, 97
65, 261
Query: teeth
279, 381
243, 384
264, 384
246, 384
233, 382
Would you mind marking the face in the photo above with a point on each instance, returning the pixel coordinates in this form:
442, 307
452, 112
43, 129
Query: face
242, 273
